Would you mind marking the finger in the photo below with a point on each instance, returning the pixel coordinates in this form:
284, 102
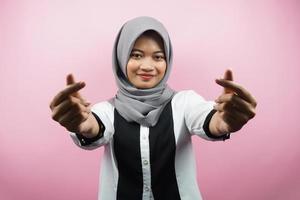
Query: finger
228, 102
78, 119
235, 121
229, 123
238, 89
61, 109
71, 80
69, 116
85, 102
89, 106
238, 118
232, 108
62, 95
74, 124
225, 108
66, 105
228, 76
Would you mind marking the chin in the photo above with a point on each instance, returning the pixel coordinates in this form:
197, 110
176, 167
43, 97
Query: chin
145, 86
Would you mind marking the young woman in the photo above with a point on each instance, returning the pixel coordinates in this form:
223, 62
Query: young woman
146, 128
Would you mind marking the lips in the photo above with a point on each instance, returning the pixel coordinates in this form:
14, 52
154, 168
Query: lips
146, 76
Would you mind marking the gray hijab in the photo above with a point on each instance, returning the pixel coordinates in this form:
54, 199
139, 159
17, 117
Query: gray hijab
143, 106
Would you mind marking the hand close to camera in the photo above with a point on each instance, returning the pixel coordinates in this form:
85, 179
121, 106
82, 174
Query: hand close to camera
235, 107
72, 111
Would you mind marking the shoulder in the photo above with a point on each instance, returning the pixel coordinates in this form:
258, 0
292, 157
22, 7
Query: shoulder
104, 105
104, 108
190, 101
186, 96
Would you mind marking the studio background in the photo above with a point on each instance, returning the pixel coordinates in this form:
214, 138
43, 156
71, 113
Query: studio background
41, 41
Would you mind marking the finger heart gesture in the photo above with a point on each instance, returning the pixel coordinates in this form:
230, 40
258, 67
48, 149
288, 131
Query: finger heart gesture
235, 106
69, 108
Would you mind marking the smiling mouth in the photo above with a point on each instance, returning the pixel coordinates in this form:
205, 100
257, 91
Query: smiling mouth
146, 76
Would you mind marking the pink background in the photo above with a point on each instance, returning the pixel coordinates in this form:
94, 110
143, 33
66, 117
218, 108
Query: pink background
41, 41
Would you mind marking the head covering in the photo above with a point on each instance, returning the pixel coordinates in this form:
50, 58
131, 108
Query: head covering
143, 106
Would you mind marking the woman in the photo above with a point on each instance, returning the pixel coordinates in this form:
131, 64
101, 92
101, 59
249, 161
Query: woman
147, 127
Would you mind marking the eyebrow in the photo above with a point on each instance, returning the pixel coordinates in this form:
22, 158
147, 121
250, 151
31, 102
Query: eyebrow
143, 52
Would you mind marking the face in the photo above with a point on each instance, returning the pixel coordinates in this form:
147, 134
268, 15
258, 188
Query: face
146, 66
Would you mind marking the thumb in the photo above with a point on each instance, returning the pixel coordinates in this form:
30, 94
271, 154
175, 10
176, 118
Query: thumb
229, 77
71, 80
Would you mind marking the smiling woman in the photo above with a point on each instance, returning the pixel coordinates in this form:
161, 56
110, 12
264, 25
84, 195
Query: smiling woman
147, 127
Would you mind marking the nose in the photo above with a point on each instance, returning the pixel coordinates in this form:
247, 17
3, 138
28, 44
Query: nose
147, 65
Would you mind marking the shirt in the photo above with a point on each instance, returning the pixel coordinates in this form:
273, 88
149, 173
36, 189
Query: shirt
156, 162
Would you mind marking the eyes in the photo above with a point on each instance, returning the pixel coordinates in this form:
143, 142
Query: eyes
139, 55
136, 55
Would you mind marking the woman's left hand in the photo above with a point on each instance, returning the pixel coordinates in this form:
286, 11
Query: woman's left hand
235, 107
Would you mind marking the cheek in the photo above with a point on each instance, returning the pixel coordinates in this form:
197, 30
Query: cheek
162, 68
131, 67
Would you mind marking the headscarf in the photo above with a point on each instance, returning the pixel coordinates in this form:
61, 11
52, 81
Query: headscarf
143, 106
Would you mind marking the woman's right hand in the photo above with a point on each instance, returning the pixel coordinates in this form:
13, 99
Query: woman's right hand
72, 111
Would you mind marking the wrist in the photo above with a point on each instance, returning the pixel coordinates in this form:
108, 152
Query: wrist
93, 131
212, 129
213, 124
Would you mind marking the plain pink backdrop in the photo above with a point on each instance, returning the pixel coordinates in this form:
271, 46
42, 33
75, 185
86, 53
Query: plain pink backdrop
42, 40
